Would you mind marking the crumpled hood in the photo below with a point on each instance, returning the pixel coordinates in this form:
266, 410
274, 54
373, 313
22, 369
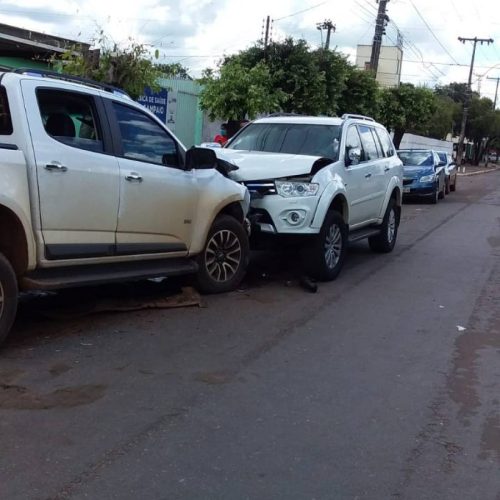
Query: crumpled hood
257, 165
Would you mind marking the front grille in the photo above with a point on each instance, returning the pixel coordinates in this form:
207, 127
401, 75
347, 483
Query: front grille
407, 181
260, 188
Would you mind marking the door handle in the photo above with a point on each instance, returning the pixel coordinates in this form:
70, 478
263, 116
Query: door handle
55, 165
133, 177
386, 169
367, 176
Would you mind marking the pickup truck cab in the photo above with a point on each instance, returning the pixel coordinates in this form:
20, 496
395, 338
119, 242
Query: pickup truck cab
94, 188
324, 181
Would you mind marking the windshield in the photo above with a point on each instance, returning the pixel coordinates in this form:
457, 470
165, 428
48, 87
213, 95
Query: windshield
292, 138
416, 158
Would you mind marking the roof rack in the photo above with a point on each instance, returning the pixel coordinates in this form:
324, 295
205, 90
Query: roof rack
357, 117
70, 78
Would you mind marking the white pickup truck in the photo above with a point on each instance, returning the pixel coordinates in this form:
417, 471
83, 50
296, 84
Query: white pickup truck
95, 189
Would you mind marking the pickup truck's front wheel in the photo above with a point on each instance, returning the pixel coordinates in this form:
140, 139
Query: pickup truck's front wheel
223, 261
8, 297
325, 256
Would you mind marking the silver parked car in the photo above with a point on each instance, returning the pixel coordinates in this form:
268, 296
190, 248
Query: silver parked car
450, 168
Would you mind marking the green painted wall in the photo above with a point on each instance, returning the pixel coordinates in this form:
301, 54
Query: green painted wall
18, 62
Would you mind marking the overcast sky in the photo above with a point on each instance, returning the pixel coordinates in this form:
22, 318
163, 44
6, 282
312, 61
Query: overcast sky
198, 32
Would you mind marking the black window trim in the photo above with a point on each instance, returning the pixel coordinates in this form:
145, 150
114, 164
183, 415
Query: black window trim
101, 116
4, 89
117, 135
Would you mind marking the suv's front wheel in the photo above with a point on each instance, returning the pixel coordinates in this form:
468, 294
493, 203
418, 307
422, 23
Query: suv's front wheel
325, 256
223, 261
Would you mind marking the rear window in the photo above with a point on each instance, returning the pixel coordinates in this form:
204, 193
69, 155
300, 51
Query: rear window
416, 158
291, 138
5, 120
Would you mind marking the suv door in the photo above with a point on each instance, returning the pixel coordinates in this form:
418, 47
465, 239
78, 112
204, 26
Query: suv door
356, 179
78, 182
158, 198
376, 163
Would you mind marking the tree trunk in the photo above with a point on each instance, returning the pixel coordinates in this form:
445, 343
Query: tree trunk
398, 137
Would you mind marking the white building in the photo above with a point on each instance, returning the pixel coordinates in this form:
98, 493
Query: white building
389, 63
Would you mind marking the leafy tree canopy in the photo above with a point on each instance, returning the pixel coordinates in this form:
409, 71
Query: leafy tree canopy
130, 68
406, 109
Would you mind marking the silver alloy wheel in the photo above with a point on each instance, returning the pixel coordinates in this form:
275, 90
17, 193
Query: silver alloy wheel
333, 246
2, 300
223, 255
391, 226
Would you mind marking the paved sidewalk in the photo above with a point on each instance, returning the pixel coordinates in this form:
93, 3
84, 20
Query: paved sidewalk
477, 169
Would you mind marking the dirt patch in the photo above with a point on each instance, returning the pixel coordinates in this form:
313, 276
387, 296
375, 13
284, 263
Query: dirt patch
490, 438
59, 369
7, 376
16, 397
213, 378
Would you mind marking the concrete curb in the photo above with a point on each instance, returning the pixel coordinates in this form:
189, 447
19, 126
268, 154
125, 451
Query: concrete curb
479, 172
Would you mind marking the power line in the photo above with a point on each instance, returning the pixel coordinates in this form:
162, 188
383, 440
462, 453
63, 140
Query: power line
301, 11
432, 32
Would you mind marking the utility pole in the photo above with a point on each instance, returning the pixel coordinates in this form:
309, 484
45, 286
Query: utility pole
468, 95
266, 36
382, 20
496, 91
329, 27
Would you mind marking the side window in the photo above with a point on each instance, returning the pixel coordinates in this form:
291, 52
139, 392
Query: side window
143, 139
5, 120
386, 142
353, 141
369, 146
70, 118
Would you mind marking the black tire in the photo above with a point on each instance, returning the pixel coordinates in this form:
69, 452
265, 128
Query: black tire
8, 297
324, 257
435, 196
453, 187
385, 241
224, 259
447, 187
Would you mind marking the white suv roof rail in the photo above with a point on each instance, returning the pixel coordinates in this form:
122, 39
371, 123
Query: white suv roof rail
357, 117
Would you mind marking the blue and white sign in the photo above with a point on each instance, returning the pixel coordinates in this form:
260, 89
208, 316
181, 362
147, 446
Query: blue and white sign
156, 102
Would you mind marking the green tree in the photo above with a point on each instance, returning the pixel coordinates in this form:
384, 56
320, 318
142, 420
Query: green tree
174, 70
444, 120
361, 93
130, 68
406, 109
238, 92
482, 126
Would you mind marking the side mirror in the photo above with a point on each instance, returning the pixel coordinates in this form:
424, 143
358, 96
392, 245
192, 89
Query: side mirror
353, 156
441, 164
200, 158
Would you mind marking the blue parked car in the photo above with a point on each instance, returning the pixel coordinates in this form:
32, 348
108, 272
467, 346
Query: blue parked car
424, 174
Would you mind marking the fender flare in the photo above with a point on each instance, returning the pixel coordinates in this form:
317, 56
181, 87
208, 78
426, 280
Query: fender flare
25, 221
394, 184
332, 190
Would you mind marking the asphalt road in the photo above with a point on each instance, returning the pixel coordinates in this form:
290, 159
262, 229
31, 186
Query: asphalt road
384, 384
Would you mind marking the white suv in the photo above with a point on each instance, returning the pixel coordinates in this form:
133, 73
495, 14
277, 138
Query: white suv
328, 180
